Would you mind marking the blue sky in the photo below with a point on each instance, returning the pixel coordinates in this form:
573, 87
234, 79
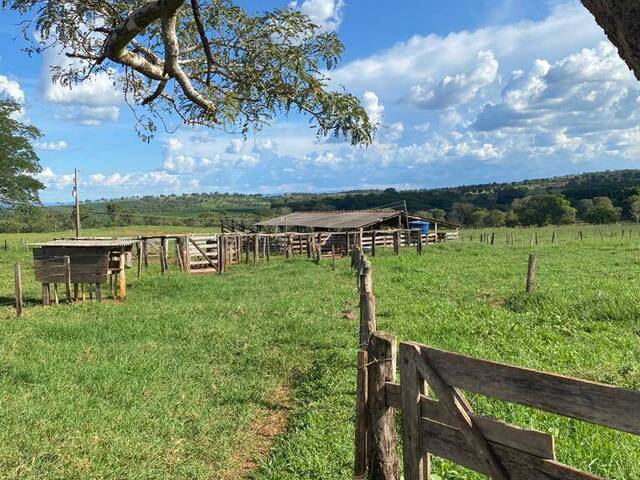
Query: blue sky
464, 91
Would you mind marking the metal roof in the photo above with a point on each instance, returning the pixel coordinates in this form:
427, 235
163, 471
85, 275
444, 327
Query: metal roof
87, 243
336, 219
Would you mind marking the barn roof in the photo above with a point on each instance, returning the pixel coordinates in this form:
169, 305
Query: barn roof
335, 219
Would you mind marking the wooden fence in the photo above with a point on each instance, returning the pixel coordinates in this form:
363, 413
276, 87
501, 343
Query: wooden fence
448, 427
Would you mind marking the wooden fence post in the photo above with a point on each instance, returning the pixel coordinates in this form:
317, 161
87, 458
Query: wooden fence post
367, 303
67, 279
122, 276
138, 258
268, 248
18, 288
493, 238
531, 273
163, 248
145, 253
221, 253
362, 398
373, 243
554, 238
419, 245
383, 459
46, 294
396, 243
256, 248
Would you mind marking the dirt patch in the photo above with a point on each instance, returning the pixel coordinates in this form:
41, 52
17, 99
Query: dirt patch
269, 422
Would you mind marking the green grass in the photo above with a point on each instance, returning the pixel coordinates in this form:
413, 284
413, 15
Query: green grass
167, 383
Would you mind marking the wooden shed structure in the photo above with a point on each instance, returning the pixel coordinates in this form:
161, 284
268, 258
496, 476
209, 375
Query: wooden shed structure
82, 261
350, 220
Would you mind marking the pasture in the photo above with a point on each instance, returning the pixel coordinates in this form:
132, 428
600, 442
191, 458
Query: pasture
192, 376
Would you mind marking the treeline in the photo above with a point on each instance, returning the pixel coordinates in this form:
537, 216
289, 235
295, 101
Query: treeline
602, 197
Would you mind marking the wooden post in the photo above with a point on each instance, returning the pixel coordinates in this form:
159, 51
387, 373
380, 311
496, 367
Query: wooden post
18, 288
122, 277
419, 242
531, 273
383, 459
256, 248
310, 240
493, 238
145, 253
362, 397
67, 278
6, 247
139, 259
536, 237
367, 303
554, 238
76, 291
373, 243
163, 247
46, 294
396, 243
268, 248
56, 298
348, 243
98, 292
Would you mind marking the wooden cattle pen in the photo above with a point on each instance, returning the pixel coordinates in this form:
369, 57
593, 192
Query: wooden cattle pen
438, 420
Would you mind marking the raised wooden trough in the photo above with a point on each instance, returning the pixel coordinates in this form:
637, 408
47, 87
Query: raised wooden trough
80, 262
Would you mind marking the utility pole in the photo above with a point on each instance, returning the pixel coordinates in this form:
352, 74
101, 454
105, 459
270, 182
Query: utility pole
77, 197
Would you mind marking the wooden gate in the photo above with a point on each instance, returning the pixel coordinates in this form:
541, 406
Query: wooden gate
447, 426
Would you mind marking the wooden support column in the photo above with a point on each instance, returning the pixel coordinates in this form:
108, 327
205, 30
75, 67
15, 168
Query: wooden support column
18, 288
396, 242
221, 253
122, 276
256, 248
145, 253
373, 243
163, 248
46, 294
98, 292
139, 259
383, 459
267, 248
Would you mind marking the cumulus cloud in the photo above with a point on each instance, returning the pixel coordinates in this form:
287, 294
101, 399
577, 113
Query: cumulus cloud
52, 146
372, 106
12, 89
92, 102
325, 13
235, 146
455, 90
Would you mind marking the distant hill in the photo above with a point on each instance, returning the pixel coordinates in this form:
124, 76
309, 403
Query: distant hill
206, 209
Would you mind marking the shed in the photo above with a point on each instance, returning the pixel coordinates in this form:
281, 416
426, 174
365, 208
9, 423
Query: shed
91, 261
348, 220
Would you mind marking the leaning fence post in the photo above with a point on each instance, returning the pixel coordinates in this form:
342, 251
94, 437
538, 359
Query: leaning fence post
18, 279
67, 278
383, 460
361, 445
531, 273
333, 257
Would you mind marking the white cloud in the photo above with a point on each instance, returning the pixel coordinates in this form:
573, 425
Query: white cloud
52, 146
423, 127
454, 90
372, 106
54, 180
112, 180
92, 102
12, 89
325, 13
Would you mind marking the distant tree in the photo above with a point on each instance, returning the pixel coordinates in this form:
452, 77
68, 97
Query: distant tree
460, 212
478, 217
635, 210
434, 213
544, 209
18, 160
495, 218
602, 211
626, 204
114, 210
583, 206
209, 62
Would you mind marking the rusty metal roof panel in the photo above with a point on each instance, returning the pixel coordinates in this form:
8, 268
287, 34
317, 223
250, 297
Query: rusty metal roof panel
88, 243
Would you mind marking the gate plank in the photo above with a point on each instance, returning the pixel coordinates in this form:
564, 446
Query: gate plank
593, 402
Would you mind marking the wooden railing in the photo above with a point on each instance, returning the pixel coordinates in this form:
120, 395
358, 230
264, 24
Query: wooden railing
448, 427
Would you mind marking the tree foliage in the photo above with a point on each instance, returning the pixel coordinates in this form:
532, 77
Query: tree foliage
18, 160
543, 210
208, 61
602, 211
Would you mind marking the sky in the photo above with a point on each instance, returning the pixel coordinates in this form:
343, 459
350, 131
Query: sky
463, 92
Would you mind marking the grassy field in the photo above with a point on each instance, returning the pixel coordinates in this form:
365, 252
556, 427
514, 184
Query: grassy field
172, 382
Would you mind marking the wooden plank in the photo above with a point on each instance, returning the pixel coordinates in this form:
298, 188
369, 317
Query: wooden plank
448, 442
410, 379
593, 402
122, 277
46, 294
67, 279
361, 463
383, 459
